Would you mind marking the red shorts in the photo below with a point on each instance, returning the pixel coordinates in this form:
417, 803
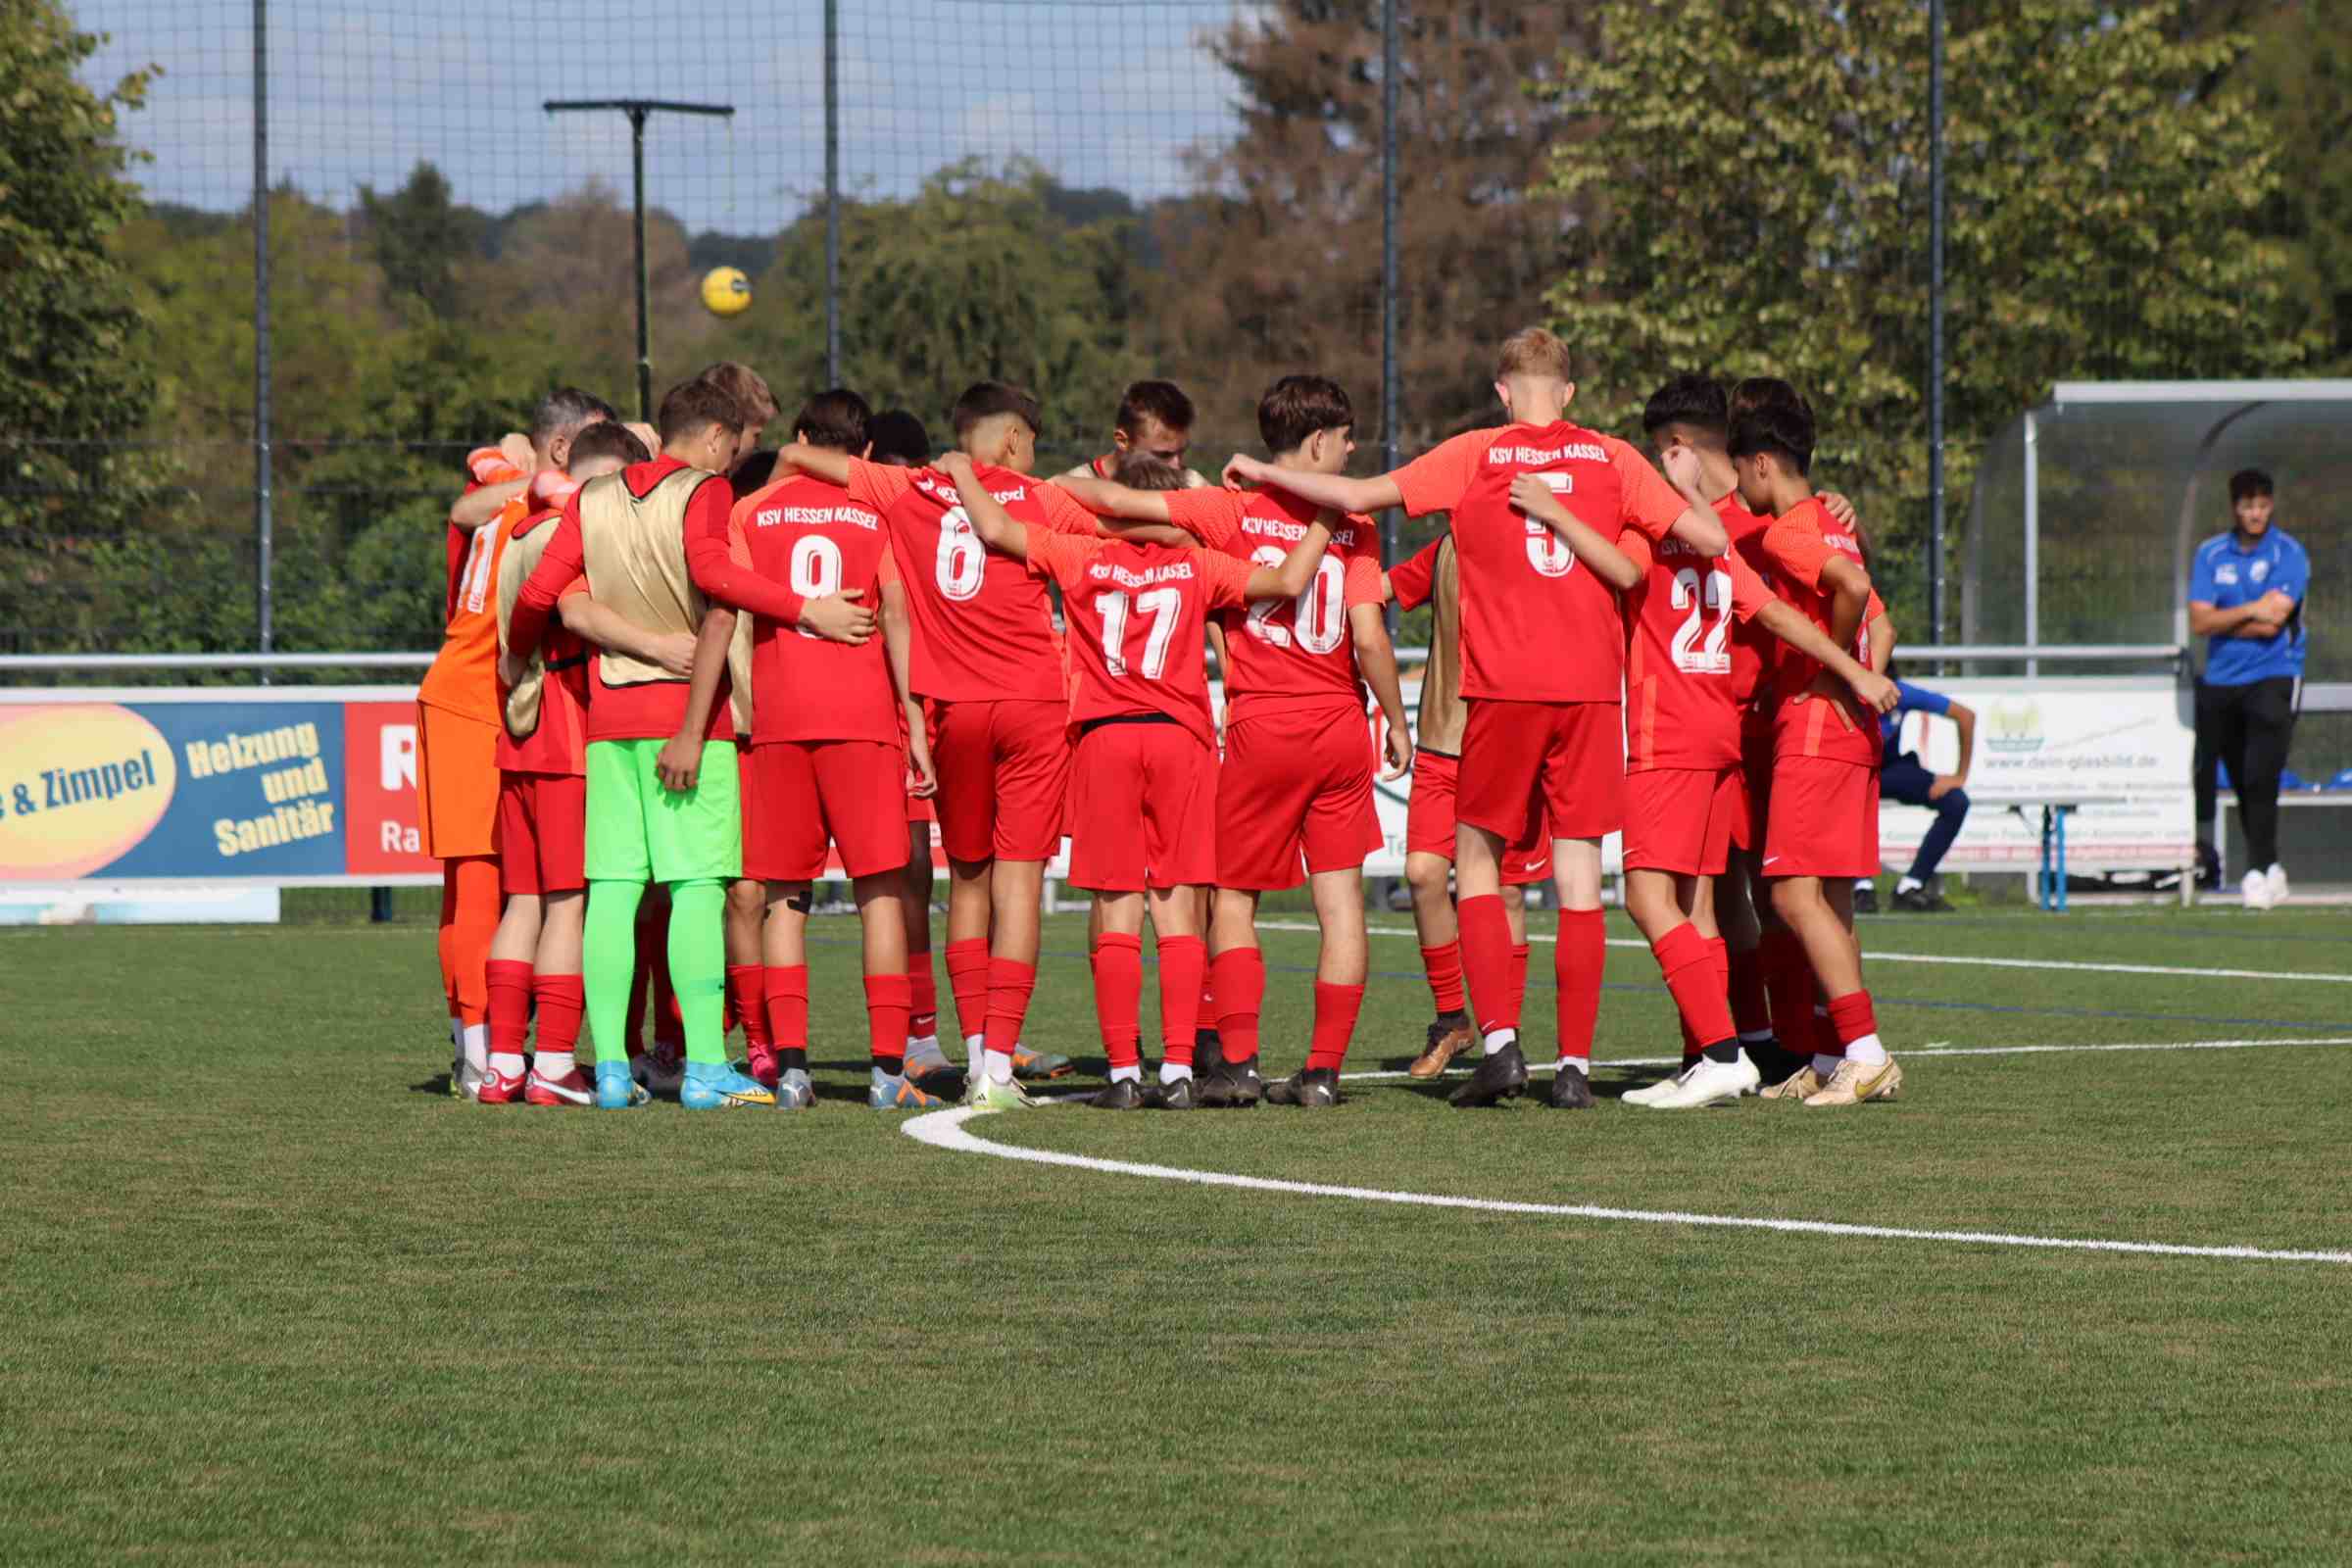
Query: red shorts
1429, 822
1143, 809
1755, 767
1681, 819
542, 832
1295, 786
814, 792
1004, 773
1530, 762
1825, 818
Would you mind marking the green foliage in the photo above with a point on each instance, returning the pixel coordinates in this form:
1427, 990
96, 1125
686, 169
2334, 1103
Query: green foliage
1756, 176
973, 278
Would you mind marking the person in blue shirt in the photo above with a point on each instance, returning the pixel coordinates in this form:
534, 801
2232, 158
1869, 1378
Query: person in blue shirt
1903, 777
2245, 596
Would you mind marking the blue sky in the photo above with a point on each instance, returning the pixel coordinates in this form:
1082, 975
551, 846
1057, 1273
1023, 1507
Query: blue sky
1101, 92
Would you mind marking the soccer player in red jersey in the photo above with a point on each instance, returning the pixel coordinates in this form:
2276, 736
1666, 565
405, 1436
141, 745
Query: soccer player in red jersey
896, 437
542, 805
458, 717
1542, 662
828, 755
1433, 578
1683, 785
1154, 421
987, 661
1295, 794
1145, 801
1823, 830
653, 542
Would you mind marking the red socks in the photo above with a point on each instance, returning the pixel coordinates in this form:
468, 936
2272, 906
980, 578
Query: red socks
1519, 951
922, 996
787, 994
1851, 1016
1238, 975
1183, 962
746, 993
1788, 981
888, 1001
561, 999
1751, 1014
509, 983
1487, 962
1578, 964
1444, 969
1119, 994
1010, 982
1688, 961
1335, 1008
967, 980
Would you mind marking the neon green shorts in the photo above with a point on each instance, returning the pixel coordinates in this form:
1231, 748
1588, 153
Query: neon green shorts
641, 832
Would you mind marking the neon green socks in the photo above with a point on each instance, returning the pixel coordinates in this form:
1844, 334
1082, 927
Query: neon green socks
609, 963
698, 965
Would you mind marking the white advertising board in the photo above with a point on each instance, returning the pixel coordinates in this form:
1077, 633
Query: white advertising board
2120, 748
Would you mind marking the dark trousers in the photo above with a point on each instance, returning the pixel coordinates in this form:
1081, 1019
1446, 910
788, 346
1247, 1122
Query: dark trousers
2246, 729
1908, 780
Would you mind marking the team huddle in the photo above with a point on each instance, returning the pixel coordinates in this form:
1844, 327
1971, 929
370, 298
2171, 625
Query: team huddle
679, 662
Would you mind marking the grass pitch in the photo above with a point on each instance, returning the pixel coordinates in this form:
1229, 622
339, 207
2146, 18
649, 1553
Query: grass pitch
272, 1296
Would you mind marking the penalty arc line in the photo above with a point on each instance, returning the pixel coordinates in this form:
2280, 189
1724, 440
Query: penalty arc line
2342, 979
944, 1129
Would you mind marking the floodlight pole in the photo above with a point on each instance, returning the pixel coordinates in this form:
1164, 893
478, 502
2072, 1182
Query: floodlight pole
833, 192
639, 109
264, 545
1388, 272
1936, 319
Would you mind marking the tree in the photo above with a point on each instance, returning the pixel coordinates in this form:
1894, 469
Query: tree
2298, 78
972, 278
420, 237
1276, 266
1757, 180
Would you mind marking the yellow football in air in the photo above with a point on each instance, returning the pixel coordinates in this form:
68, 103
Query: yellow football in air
726, 291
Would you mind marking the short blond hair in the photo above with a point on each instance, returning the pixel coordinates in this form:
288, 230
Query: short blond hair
747, 387
1531, 351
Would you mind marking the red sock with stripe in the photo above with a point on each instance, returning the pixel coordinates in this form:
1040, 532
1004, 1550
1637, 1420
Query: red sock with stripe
1009, 983
1239, 977
561, 1001
1183, 962
746, 993
888, 1001
1582, 956
509, 981
786, 988
1119, 994
1487, 962
967, 981
922, 994
1519, 954
1335, 1011
1443, 967
1688, 961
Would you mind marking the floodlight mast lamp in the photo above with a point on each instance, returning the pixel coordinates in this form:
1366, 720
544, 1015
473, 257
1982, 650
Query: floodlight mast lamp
639, 110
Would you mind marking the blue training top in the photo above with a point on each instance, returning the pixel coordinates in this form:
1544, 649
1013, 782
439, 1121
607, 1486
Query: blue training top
2227, 573
1909, 699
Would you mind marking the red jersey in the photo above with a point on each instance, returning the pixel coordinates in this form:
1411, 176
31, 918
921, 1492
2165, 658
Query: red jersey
1137, 616
1287, 654
1681, 684
647, 710
1797, 545
1754, 650
983, 624
1534, 627
810, 534
560, 745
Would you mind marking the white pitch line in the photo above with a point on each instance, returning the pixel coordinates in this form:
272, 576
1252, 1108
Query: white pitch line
944, 1129
1916, 1050
2340, 979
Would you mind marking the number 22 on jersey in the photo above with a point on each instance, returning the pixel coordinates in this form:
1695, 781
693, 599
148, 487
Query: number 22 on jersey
1710, 657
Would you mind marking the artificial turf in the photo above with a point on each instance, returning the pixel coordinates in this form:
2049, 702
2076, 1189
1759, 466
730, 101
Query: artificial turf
272, 1296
